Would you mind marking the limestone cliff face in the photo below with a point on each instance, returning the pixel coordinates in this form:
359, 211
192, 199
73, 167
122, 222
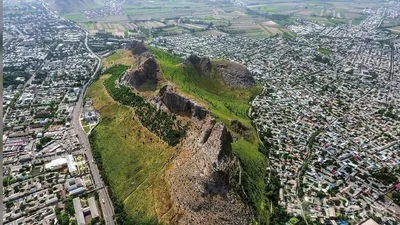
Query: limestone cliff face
145, 72
136, 47
175, 103
202, 65
204, 174
235, 74
203, 177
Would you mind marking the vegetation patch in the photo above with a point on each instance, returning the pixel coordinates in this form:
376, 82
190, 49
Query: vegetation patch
159, 122
120, 57
131, 159
325, 51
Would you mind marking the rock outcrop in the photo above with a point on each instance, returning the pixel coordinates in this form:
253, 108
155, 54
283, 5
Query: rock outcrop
233, 74
204, 174
202, 65
136, 47
240, 128
203, 177
236, 75
178, 104
145, 72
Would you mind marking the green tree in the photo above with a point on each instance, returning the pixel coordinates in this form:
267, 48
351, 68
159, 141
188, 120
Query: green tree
69, 206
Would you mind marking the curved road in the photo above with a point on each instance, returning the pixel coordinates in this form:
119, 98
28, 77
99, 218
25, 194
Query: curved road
105, 201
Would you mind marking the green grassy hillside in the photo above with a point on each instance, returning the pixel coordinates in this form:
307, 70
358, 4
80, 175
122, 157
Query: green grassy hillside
225, 103
132, 159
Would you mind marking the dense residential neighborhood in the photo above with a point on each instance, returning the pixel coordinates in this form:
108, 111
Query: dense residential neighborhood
329, 113
48, 170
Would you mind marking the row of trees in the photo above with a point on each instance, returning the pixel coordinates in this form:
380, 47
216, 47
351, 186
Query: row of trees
157, 121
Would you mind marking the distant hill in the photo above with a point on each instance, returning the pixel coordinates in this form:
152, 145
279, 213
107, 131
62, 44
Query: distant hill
178, 147
67, 6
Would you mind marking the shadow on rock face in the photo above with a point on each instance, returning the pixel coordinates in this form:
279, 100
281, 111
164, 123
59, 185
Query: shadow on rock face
218, 185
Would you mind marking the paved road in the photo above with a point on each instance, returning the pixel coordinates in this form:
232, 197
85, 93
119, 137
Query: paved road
107, 207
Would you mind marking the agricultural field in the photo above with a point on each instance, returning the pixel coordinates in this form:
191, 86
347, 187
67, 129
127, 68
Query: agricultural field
272, 28
278, 8
193, 26
255, 27
75, 16
324, 20
327, 12
80, 18
172, 31
117, 29
391, 24
161, 10
150, 24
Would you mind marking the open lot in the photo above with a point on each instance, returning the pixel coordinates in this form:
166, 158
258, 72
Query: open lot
395, 29
328, 12
118, 29
151, 24
163, 10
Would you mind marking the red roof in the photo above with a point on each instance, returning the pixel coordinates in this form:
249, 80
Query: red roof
397, 186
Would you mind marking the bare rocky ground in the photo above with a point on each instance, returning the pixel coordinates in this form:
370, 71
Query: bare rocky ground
146, 72
204, 174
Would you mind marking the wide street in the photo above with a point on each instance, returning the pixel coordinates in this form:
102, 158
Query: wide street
105, 201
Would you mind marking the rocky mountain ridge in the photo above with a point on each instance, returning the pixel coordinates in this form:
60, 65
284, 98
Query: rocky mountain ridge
202, 65
147, 69
233, 74
169, 99
205, 172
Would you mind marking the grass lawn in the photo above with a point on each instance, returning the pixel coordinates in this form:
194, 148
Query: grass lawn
123, 57
325, 51
268, 9
86, 129
88, 26
75, 16
134, 160
225, 103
